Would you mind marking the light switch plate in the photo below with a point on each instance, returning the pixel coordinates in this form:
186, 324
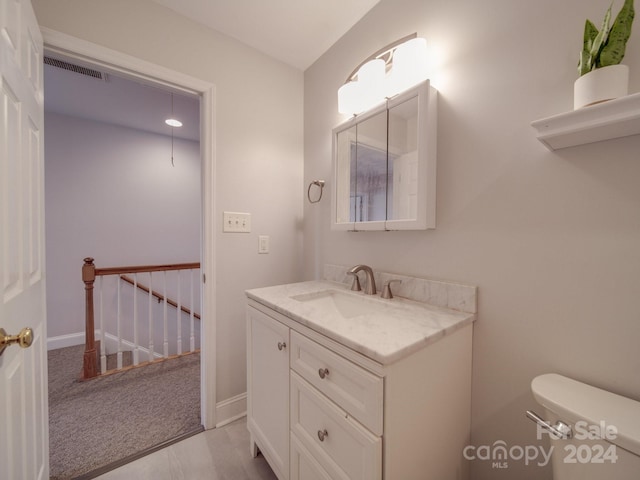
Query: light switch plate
236, 222
263, 243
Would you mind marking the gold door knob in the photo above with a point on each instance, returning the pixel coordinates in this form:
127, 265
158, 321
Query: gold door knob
24, 339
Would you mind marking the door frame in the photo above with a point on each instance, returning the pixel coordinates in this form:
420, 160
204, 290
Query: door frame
134, 68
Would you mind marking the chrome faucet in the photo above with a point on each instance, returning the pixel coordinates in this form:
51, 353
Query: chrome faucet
371, 283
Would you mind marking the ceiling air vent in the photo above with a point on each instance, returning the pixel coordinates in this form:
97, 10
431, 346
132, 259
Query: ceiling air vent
54, 62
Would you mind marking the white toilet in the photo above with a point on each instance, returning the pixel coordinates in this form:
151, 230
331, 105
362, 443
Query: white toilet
605, 430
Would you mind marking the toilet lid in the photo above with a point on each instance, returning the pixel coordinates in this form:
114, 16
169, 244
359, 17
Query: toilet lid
574, 401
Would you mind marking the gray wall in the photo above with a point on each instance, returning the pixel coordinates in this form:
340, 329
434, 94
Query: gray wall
550, 238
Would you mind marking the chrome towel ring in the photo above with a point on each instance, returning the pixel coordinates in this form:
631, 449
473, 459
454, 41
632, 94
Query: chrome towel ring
318, 183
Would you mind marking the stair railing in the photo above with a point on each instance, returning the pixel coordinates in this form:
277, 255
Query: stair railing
159, 296
89, 274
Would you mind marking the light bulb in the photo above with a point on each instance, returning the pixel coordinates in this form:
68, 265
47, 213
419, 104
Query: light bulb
349, 98
371, 81
409, 66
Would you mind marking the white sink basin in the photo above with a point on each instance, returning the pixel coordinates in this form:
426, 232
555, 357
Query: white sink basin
345, 304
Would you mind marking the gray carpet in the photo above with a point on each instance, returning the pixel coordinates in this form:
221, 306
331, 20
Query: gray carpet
101, 421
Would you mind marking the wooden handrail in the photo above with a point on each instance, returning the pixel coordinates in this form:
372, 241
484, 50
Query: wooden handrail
145, 268
89, 274
158, 295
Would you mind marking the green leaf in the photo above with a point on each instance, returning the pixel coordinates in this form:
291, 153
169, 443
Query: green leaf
602, 36
590, 34
614, 49
584, 64
586, 59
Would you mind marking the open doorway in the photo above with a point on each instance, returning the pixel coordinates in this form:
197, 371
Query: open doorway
121, 186
171, 156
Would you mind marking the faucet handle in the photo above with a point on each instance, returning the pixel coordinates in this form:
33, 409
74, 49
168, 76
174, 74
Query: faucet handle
355, 286
386, 290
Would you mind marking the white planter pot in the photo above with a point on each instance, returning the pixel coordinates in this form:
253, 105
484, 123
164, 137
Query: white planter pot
600, 85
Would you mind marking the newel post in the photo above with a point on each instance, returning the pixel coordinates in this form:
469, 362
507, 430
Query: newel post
90, 362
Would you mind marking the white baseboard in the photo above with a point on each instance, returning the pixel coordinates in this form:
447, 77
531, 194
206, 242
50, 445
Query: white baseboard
111, 343
231, 409
63, 341
111, 346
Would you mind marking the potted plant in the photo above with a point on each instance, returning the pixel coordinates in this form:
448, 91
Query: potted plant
602, 76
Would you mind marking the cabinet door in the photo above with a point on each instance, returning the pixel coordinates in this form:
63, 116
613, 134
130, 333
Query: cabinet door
268, 389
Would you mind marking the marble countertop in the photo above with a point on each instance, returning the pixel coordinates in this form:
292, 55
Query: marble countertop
391, 330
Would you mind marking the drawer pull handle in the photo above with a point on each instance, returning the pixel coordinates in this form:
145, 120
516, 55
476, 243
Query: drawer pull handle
323, 372
322, 434
282, 345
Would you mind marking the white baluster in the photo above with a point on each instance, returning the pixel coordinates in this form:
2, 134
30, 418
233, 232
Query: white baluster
179, 315
135, 319
192, 338
118, 329
166, 323
150, 311
103, 353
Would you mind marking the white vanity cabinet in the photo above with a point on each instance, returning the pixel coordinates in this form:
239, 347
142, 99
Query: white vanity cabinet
349, 417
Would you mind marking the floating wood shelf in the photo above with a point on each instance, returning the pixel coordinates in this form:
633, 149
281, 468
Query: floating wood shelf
613, 119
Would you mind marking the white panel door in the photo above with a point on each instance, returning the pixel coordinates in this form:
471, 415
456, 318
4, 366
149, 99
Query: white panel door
24, 440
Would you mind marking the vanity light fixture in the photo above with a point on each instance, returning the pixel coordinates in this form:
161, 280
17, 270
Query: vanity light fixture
389, 71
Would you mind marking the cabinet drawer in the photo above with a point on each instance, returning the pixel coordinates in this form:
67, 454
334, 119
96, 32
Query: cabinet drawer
355, 390
344, 448
303, 465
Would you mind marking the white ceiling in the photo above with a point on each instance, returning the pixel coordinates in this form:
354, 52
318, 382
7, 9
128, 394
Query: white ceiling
119, 101
296, 32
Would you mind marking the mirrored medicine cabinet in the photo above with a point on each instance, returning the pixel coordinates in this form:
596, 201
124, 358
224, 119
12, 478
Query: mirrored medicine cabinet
384, 163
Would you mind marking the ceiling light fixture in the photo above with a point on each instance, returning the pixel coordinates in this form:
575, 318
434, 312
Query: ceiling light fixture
389, 71
172, 122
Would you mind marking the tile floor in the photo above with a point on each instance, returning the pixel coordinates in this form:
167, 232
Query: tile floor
219, 454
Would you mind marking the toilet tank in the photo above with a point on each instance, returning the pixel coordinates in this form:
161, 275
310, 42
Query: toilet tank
605, 441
